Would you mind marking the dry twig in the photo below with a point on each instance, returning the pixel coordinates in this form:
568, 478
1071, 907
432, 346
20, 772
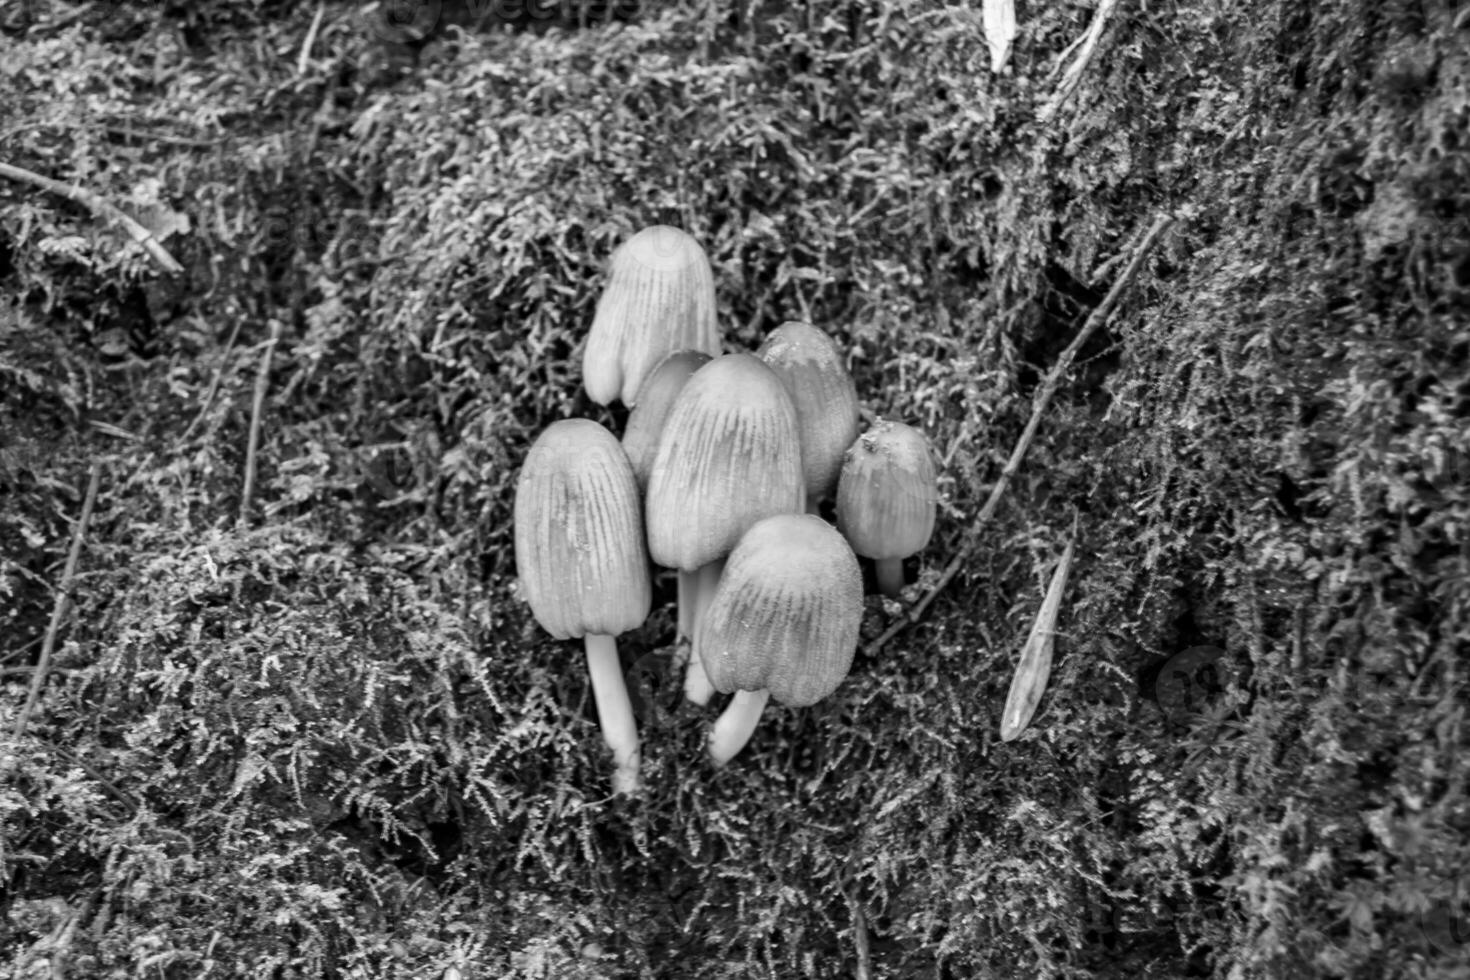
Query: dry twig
58, 611
213, 383
1043, 398
262, 383
864, 970
1074, 71
303, 61
102, 209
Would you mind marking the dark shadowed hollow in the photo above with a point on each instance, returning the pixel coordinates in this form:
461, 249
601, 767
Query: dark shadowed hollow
316, 733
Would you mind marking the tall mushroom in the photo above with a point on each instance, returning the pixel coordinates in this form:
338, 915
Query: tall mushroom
660, 297
656, 397
730, 454
826, 398
582, 563
886, 498
783, 623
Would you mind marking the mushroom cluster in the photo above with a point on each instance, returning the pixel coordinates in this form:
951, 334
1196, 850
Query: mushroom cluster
720, 475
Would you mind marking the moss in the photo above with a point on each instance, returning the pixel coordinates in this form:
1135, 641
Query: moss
332, 743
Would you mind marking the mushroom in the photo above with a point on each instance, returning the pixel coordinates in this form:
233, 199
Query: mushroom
730, 454
660, 297
655, 400
826, 398
886, 498
783, 623
582, 563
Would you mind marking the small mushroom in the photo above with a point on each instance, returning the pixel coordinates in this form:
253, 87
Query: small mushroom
655, 400
826, 398
660, 297
783, 623
582, 563
886, 498
730, 454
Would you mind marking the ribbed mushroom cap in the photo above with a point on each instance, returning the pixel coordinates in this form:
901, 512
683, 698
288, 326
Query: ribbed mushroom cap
730, 455
887, 493
578, 533
810, 365
660, 297
786, 614
656, 399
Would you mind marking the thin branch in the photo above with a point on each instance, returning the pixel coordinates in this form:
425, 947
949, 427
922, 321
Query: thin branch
112, 789
1079, 64
861, 947
102, 209
304, 60
1043, 399
262, 383
58, 611
219, 373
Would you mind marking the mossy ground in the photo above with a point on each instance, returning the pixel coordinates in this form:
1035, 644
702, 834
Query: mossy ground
332, 742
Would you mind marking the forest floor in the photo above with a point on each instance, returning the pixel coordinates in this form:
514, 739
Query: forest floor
275, 707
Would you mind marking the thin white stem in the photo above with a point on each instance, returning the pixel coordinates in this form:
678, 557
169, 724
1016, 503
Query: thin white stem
697, 686
614, 710
890, 576
688, 583
735, 725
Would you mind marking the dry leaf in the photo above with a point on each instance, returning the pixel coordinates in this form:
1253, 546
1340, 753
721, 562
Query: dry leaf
1000, 30
1034, 670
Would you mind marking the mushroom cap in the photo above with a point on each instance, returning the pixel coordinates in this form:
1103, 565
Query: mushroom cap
811, 367
579, 543
660, 297
888, 492
730, 454
786, 613
655, 400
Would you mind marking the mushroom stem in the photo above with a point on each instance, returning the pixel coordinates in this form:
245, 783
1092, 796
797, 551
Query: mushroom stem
614, 710
890, 576
697, 686
736, 724
688, 584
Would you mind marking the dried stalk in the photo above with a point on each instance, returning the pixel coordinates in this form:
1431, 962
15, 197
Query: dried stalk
303, 61
262, 384
1079, 64
102, 209
861, 947
1038, 408
58, 611
219, 373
